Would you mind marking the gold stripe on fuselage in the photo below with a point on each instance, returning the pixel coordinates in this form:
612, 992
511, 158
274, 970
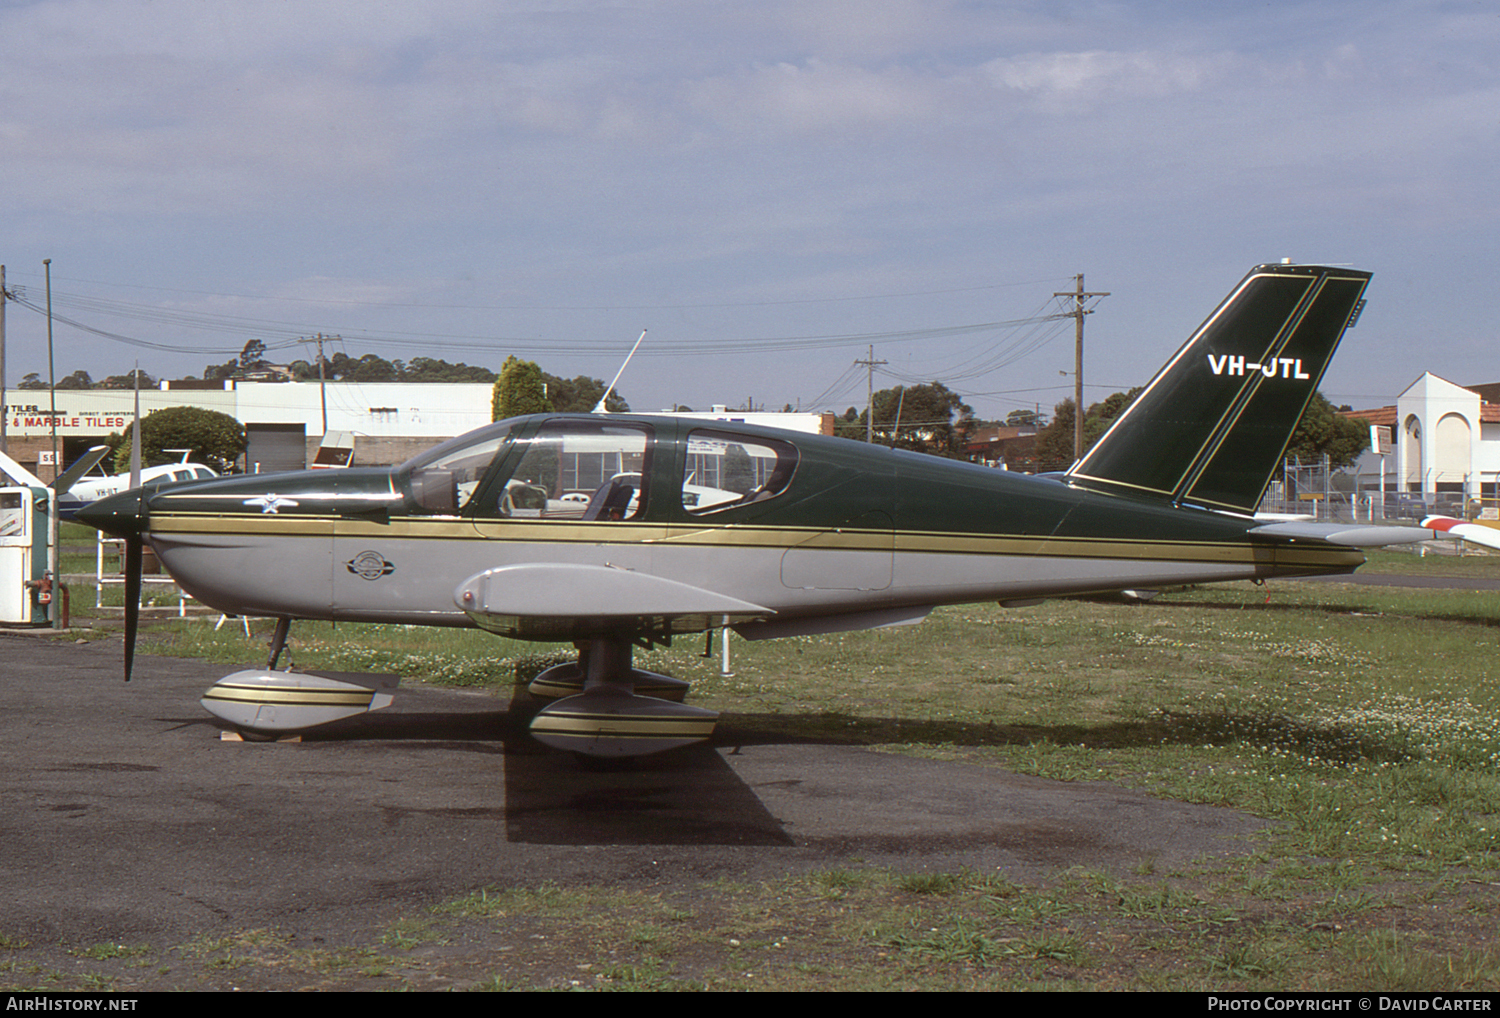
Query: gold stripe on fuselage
742, 536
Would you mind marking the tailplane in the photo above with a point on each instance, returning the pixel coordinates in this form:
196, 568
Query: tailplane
1213, 424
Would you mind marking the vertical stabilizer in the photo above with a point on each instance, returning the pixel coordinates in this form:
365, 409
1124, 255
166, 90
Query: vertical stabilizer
1212, 426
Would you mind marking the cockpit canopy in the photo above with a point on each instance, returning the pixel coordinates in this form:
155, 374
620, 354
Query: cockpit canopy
596, 469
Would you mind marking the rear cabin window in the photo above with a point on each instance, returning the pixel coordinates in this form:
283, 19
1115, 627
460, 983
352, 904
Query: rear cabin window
724, 470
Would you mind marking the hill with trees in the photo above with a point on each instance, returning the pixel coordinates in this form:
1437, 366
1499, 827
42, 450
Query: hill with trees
579, 394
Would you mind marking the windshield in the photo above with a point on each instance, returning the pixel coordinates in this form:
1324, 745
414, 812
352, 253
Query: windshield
445, 478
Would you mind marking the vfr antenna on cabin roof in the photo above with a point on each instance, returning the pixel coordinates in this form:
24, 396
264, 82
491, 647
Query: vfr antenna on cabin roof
599, 407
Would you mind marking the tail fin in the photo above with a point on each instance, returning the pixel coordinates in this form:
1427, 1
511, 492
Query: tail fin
1213, 424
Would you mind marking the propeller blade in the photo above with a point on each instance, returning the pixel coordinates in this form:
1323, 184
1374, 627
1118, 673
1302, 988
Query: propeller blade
133, 548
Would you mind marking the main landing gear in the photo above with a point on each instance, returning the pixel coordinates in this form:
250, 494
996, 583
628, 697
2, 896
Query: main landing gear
609, 709
602, 707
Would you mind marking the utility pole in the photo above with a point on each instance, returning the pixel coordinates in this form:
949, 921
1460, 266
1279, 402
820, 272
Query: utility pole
1077, 314
322, 386
4, 409
52, 551
869, 364
51, 371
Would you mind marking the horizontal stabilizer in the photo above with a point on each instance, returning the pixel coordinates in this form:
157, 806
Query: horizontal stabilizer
1351, 535
566, 590
1489, 537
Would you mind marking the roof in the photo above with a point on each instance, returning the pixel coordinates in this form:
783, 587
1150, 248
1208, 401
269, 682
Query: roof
1489, 413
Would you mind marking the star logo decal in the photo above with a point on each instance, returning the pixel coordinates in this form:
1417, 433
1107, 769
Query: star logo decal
271, 503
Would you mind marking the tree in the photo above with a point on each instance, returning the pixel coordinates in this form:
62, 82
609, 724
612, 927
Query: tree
851, 425
77, 380
519, 390
218, 372
303, 371
214, 438
1025, 419
371, 368
127, 380
430, 369
32, 381
738, 472
253, 356
1322, 430
932, 418
1054, 443
580, 395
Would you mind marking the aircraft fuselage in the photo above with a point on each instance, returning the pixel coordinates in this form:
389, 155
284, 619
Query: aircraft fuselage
854, 528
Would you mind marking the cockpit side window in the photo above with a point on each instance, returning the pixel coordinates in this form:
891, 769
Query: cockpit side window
724, 470
594, 471
445, 479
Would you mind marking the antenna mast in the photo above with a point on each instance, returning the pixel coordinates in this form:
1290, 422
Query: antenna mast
599, 407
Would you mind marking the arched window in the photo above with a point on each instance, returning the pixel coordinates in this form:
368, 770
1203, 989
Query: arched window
1412, 443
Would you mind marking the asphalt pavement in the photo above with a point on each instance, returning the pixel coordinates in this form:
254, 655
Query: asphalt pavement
123, 815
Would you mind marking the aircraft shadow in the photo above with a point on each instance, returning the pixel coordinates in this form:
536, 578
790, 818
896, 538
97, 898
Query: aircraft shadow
693, 796
1330, 742
687, 796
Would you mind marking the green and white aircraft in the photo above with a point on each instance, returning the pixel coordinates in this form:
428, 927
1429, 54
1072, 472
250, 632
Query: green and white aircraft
616, 532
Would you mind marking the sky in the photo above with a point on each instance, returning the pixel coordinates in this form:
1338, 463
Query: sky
774, 191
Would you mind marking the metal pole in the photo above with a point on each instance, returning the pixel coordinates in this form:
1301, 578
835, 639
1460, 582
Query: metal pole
4, 409
322, 386
51, 371
1078, 375
870, 364
52, 563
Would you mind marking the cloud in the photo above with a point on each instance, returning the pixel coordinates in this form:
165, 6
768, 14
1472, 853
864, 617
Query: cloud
814, 96
1081, 79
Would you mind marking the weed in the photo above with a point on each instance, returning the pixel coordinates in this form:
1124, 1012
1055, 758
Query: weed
929, 883
1390, 961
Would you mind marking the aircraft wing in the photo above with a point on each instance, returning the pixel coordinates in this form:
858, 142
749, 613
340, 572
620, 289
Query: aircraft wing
1353, 535
1476, 532
569, 601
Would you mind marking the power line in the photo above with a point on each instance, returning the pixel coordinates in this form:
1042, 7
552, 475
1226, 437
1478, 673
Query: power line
296, 333
573, 307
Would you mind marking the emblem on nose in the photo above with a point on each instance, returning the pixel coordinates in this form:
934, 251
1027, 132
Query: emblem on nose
370, 565
272, 503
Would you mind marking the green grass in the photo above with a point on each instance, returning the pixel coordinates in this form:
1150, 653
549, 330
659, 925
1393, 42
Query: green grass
1363, 721
1365, 717
1475, 561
